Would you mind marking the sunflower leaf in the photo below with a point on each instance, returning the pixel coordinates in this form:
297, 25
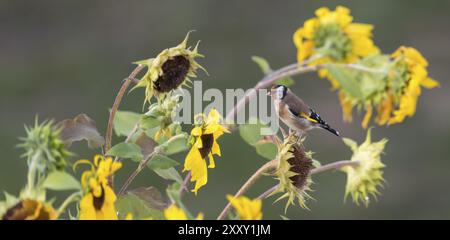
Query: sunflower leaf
124, 122
59, 181
346, 79
252, 133
169, 174
126, 150
135, 204
267, 149
161, 162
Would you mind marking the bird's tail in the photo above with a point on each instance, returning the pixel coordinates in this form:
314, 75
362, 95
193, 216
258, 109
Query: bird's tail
329, 129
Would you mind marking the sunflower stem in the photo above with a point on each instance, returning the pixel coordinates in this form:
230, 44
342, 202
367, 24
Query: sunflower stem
183, 187
287, 71
70, 199
32, 169
116, 104
324, 168
136, 172
264, 169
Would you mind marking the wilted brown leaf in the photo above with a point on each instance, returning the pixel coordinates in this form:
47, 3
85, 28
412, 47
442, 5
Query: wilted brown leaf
82, 127
146, 144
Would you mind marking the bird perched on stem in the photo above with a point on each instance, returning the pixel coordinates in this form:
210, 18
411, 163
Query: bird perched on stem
295, 113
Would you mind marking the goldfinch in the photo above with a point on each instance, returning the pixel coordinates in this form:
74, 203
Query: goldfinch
295, 113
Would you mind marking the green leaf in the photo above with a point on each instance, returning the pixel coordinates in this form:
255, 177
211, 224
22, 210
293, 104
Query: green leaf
263, 64
124, 122
138, 207
60, 180
347, 80
161, 162
251, 133
82, 127
267, 149
149, 122
176, 144
169, 174
126, 150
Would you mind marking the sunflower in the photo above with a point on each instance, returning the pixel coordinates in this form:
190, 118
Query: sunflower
293, 172
175, 213
169, 70
30, 209
246, 209
411, 69
99, 198
364, 179
332, 37
204, 138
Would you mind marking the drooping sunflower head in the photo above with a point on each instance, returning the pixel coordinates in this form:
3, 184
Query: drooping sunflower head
409, 74
204, 145
293, 171
364, 179
246, 208
333, 36
30, 209
99, 198
169, 70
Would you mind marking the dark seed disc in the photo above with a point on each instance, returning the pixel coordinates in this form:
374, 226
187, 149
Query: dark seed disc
175, 71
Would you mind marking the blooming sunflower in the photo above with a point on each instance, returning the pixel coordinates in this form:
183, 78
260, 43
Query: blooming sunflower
204, 137
293, 172
246, 209
406, 88
169, 70
332, 37
99, 198
30, 209
175, 213
364, 179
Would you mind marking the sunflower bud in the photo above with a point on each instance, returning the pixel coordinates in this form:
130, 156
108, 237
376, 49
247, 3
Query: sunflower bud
43, 140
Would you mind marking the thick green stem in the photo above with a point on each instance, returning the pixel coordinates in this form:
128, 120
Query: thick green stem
32, 169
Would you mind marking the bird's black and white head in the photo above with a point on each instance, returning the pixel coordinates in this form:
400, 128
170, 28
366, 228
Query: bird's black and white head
278, 92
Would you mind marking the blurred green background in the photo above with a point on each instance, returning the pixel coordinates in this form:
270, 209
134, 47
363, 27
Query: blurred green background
61, 58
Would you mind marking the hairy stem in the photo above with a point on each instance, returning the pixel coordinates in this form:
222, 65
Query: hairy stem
264, 169
324, 168
117, 100
136, 172
32, 169
183, 187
